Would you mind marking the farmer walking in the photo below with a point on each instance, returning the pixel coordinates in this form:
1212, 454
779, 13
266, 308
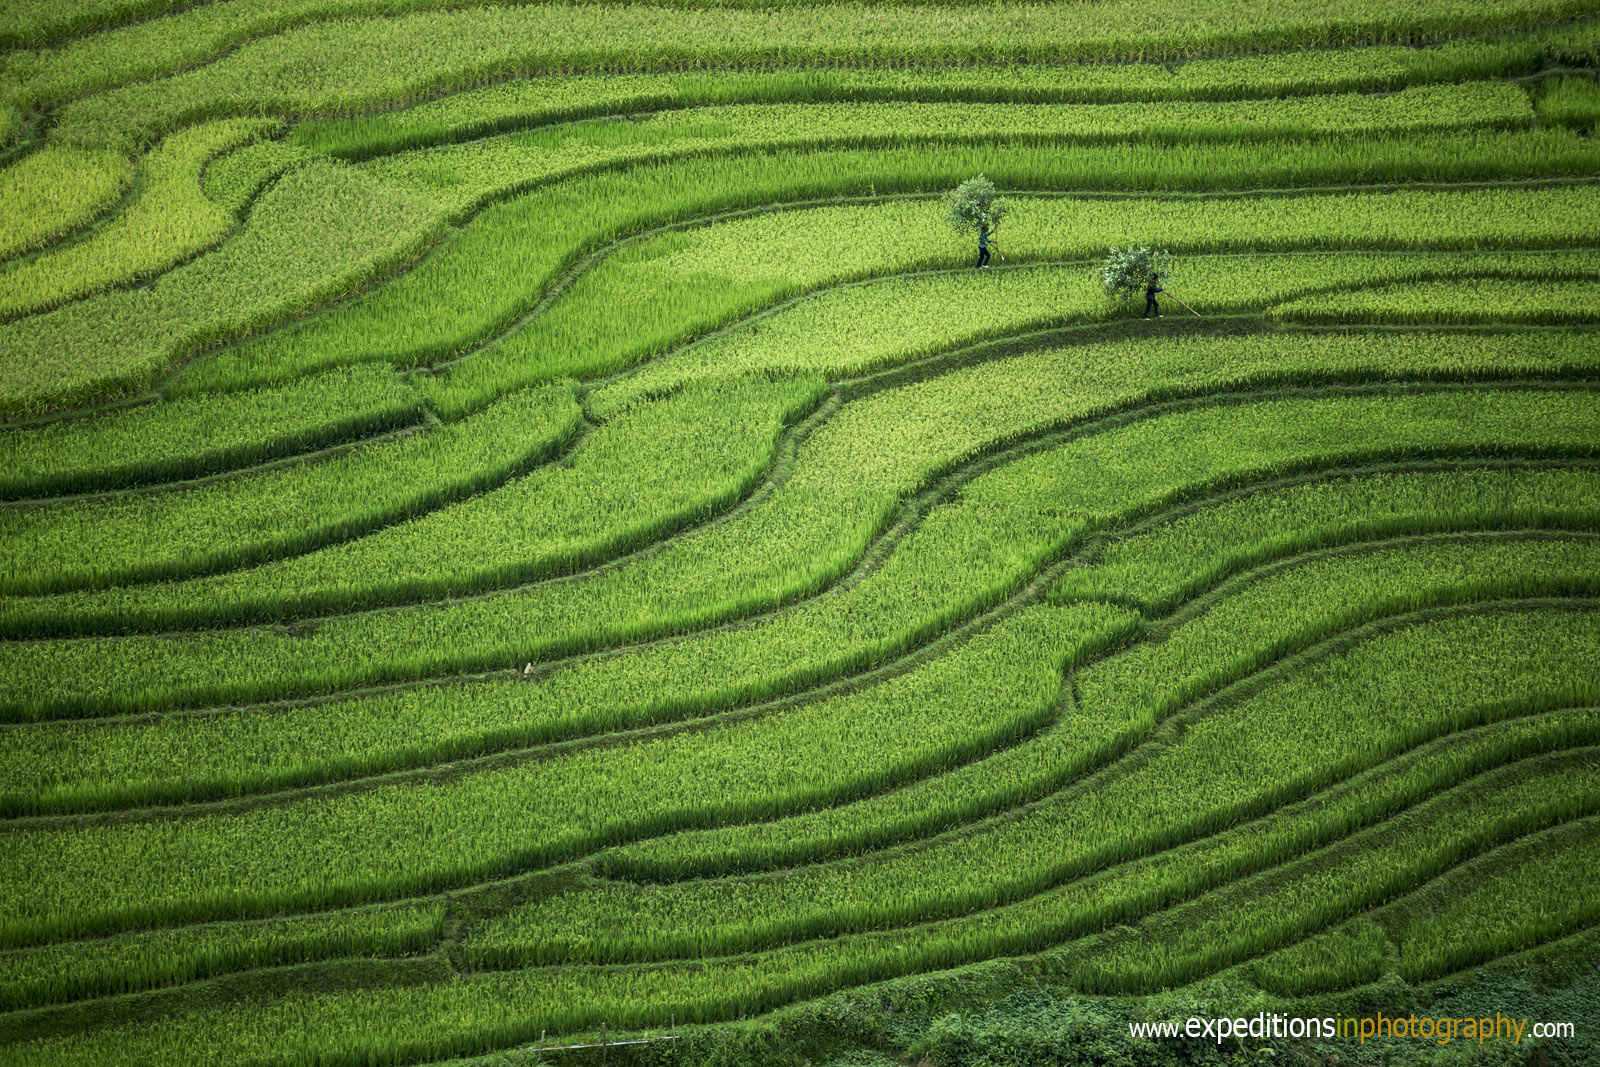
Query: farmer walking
1150, 292
975, 205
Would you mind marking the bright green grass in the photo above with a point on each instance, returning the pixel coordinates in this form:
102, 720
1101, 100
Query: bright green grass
1356, 952
127, 963
1178, 557
145, 50
373, 844
89, 763
236, 521
203, 435
1486, 300
479, 279
921, 617
167, 220
1531, 892
40, 22
858, 328
536, 101
1234, 763
470, 1014
1571, 100
498, 161
675, 286
1002, 528
1231, 634
417, 558
234, 179
513, 163
320, 231
10, 122
1541, 893
1255, 527
334, 67
717, 441
1266, 910
55, 190
719, 767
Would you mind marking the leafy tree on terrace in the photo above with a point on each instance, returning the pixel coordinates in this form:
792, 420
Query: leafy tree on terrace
975, 206
1126, 271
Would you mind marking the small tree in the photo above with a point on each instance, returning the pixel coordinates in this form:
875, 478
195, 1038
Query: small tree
975, 206
1126, 270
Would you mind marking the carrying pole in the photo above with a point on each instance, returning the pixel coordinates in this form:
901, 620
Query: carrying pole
1177, 298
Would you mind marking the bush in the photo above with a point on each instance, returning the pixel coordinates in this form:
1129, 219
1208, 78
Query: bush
1126, 270
975, 206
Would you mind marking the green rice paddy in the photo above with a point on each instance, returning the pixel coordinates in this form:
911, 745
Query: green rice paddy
523, 529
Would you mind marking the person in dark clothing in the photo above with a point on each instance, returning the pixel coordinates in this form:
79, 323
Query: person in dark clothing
983, 246
1150, 292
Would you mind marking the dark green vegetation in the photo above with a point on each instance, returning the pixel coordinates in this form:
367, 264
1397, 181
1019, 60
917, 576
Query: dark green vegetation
521, 525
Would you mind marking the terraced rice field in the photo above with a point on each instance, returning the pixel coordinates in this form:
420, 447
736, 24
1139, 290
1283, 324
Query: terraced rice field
523, 529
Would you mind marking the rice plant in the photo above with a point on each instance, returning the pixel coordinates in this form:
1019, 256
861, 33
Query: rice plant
328, 227
168, 220
54, 191
518, 525
154, 443
233, 522
940, 571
